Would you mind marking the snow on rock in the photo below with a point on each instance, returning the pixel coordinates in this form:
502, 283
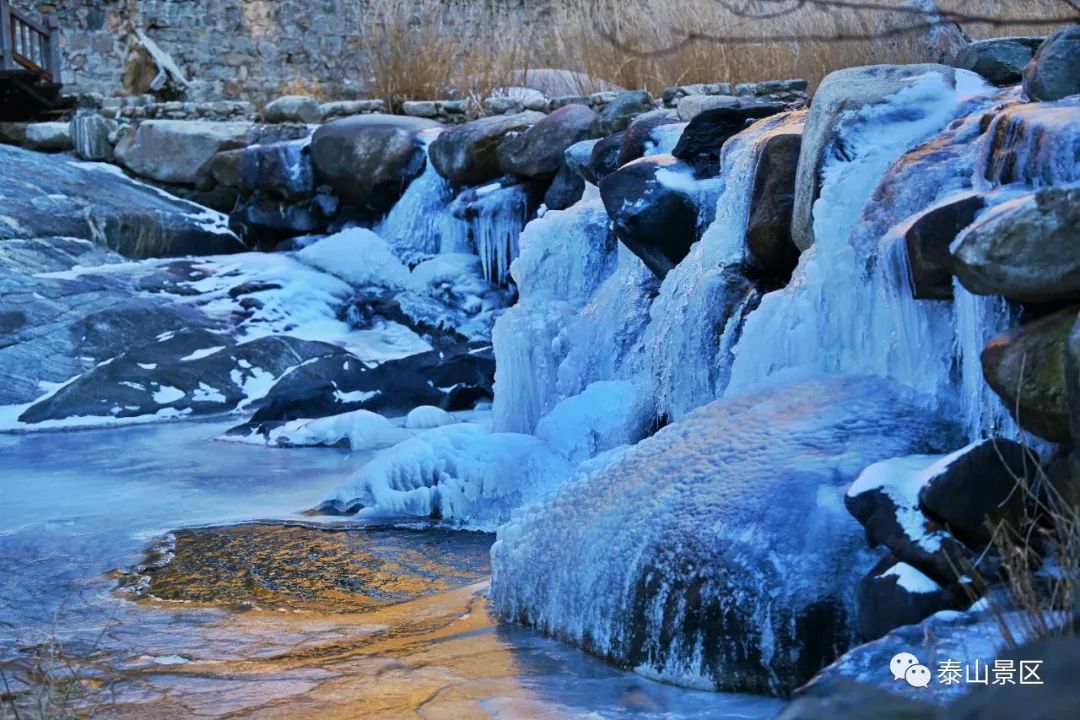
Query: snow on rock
357, 430
460, 473
426, 417
607, 414
357, 256
718, 552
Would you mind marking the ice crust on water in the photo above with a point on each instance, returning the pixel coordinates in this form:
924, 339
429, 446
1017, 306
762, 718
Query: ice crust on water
462, 473
696, 554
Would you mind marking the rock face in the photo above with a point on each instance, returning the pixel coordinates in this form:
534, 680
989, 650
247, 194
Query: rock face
1026, 249
838, 95
694, 559
1052, 75
653, 214
538, 152
1026, 368
768, 235
468, 154
47, 196
999, 60
369, 160
293, 108
927, 240
178, 151
704, 137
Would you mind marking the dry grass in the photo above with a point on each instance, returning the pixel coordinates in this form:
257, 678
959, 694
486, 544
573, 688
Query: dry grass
420, 48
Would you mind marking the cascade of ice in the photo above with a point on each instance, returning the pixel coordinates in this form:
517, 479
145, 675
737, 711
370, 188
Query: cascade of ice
849, 308
1034, 144
699, 312
495, 220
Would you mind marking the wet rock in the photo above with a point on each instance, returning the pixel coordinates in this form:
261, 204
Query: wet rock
1027, 249
704, 137
640, 137
1026, 368
566, 189
538, 152
48, 137
1052, 74
772, 253
577, 158
369, 160
1033, 144
468, 154
843, 699
999, 60
46, 196
927, 242
604, 159
896, 594
839, 94
620, 112
976, 488
293, 108
178, 151
90, 136
653, 214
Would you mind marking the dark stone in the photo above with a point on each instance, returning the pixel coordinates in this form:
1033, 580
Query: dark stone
468, 154
706, 134
369, 160
927, 242
1052, 73
894, 594
566, 189
605, 157
538, 152
1026, 368
47, 196
621, 111
979, 489
772, 253
656, 222
639, 135
999, 60
577, 158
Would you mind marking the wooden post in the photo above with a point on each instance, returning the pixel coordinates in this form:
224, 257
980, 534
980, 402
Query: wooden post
7, 57
53, 59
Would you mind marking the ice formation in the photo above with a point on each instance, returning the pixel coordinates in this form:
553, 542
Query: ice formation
359, 257
460, 473
718, 552
357, 430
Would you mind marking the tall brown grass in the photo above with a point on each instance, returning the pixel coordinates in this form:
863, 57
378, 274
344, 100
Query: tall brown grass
420, 49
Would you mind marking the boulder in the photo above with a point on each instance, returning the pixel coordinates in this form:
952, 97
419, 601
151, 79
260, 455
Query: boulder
704, 137
976, 488
927, 239
468, 153
48, 136
772, 254
885, 500
687, 555
538, 152
1051, 74
652, 211
621, 111
641, 137
1027, 249
90, 136
673, 95
999, 60
604, 159
369, 160
1030, 143
566, 189
896, 594
691, 106
1026, 368
13, 133
47, 196
577, 158
839, 94
179, 151
293, 108
345, 108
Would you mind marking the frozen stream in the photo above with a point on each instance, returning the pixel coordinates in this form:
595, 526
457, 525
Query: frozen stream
76, 505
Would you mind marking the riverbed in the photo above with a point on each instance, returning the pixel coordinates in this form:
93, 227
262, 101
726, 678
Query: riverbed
257, 613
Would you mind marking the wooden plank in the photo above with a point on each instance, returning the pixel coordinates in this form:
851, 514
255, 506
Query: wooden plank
29, 22
7, 38
53, 61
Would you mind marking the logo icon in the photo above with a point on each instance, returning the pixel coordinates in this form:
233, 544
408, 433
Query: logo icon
900, 663
918, 676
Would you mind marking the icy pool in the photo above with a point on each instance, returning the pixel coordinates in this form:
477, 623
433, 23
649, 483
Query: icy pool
76, 505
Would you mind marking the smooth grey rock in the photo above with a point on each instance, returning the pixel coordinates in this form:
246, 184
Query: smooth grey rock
90, 136
468, 153
927, 239
1052, 73
538, 152
621, 111
293, 108
691, 106
999, 60
48, 136
179, 151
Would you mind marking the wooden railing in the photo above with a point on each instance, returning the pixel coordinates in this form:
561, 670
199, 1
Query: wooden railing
24, 44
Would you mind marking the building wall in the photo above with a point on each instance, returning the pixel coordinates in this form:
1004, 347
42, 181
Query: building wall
229, 49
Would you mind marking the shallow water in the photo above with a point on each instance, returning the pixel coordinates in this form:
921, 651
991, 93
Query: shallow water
76, 505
